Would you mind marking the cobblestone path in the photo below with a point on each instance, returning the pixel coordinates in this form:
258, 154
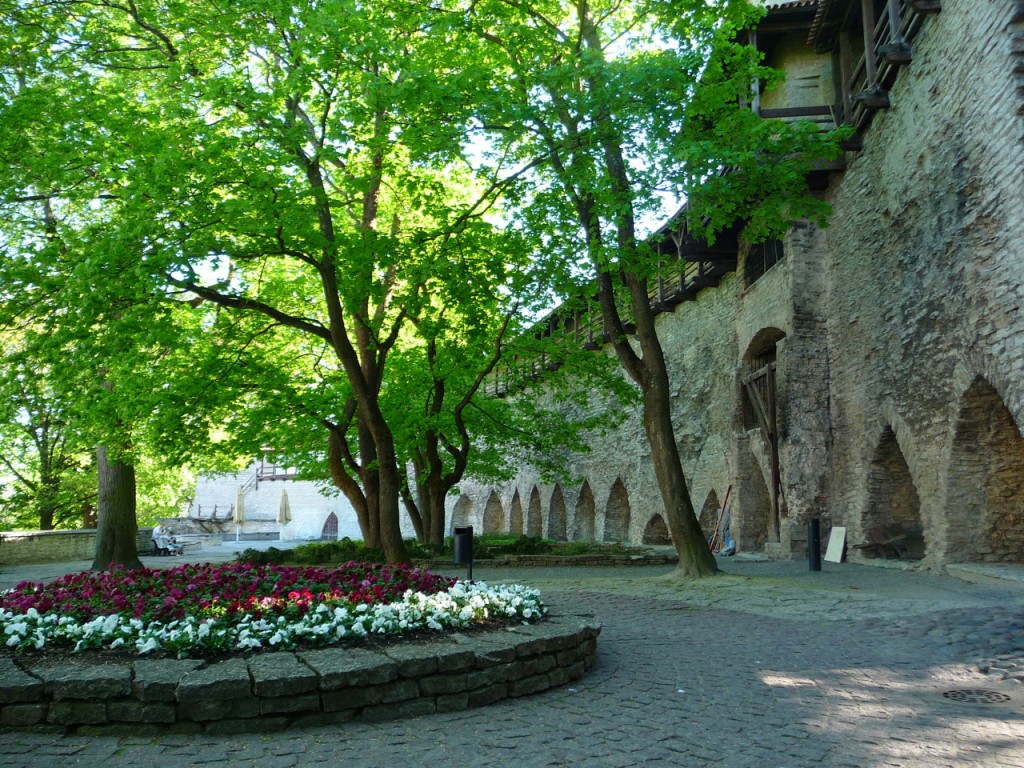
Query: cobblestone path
769, 667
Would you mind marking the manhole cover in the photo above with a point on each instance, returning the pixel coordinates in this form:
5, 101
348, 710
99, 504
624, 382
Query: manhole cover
976, 696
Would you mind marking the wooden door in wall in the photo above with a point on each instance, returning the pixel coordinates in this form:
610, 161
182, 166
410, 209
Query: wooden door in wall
759, 386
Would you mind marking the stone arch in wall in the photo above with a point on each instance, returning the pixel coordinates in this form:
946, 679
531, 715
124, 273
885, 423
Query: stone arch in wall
330, 530
759, 400
656, 532
752, 515
984, 502
583, 520
892, 498
534, 516
617, 514
709, 514
494, 515
462, 512
556, 515
515, 516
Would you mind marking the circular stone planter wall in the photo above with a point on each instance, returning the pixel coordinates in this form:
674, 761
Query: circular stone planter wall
273, 691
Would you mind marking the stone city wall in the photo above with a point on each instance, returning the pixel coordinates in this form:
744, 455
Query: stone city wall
926, 281
19, 547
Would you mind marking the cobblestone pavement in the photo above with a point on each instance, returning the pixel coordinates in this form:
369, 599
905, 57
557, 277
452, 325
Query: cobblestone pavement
768, 666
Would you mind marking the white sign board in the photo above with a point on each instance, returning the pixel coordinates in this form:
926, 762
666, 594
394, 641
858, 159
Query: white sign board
836, 544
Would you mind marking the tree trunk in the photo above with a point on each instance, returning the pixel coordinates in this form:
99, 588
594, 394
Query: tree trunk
389, 495
116, 534
695, 558
46, 502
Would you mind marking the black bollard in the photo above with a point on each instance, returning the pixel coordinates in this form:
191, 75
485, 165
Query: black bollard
814, 543
463, 546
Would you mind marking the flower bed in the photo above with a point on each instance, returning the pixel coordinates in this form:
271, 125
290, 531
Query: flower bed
197, 608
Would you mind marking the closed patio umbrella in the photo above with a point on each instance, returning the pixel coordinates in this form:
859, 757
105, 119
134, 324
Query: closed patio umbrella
284, 514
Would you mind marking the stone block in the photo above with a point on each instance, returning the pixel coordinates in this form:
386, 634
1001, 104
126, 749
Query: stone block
415, 660
349, 667
23, 714
543, 637
220, 709
562, 675
157, 679
437, 685
305, 702
399, 691
482, 678
351, 698
280, 674
75, 712
538, 665
17, 685
224, 680
452, 658
568, 656
82, 680
140, 712
528, 685
413, 708
453, 702
489, 648
488, 695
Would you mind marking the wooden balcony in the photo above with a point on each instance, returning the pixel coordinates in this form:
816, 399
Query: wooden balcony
872, 40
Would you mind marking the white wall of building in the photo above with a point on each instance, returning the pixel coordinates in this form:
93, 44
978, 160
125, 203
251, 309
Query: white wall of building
310, 506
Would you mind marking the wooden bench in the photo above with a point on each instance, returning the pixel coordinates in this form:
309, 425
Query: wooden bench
892, 542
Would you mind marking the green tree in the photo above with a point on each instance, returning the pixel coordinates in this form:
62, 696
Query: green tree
51, 480
614, 103
300, 163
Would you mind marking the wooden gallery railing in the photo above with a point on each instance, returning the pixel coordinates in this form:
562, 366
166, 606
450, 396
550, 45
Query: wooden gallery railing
687, 265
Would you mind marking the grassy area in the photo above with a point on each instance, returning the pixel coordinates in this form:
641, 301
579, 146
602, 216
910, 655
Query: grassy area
485, 547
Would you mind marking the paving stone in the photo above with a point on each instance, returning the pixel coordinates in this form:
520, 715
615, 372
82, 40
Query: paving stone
397, 710
251, 725
747, 683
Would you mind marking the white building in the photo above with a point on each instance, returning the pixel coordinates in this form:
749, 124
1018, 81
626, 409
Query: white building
316, 510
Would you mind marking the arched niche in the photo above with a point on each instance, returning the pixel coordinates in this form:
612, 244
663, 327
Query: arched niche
329, 532
617, 514
534, 516
583, 519
709, 514
557, 516
985, 503
515, 516
462, 512
494, 515
892, 501
656, 532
